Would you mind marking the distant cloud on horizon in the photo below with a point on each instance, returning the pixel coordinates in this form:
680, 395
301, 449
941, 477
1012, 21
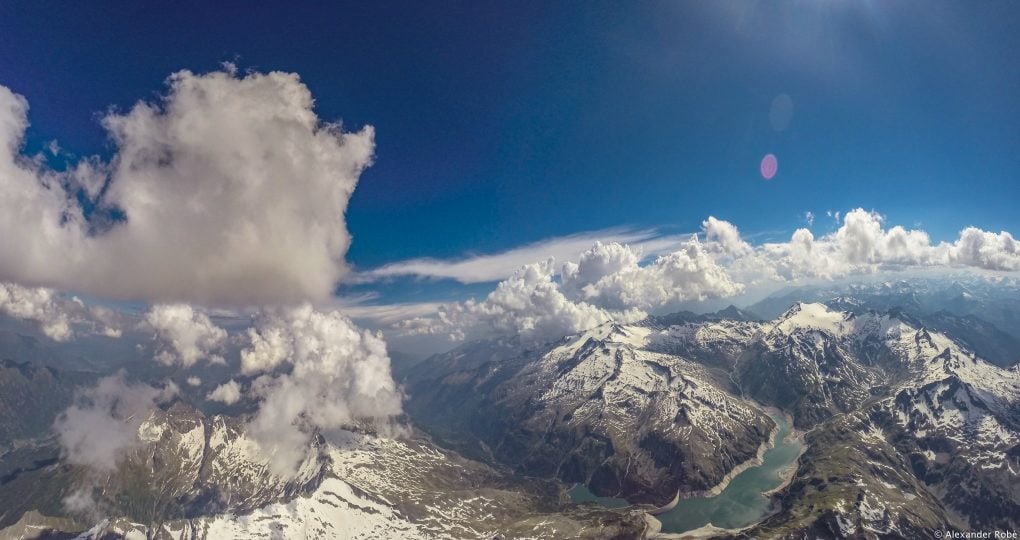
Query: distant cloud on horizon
548, 298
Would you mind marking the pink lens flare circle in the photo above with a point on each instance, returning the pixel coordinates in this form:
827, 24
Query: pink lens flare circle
769, 166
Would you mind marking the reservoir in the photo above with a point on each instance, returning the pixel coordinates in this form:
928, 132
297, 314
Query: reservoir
581, 494
742, 503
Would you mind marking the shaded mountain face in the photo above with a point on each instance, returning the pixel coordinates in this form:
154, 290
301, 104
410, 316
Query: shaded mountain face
676, 402
978, 335
192, 475
960, 427
31, 396
852, 482
938, 450
733, 313
817, 362
606, 407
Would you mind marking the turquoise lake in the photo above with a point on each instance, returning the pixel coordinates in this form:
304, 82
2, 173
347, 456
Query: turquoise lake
742, 503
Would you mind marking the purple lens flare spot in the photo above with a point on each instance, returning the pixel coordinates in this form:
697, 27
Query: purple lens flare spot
769, 166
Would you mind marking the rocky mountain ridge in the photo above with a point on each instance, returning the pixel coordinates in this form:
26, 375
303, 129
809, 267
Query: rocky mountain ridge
620, 405
907, 431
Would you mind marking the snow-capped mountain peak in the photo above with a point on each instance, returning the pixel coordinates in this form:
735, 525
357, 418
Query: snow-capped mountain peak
812, 316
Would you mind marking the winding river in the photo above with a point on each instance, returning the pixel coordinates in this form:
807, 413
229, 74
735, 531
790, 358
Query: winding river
743, 502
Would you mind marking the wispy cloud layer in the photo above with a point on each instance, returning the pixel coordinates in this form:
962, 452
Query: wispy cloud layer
389, 314
498, 266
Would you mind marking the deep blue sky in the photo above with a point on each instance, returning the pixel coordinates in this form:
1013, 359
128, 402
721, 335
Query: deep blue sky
505, 123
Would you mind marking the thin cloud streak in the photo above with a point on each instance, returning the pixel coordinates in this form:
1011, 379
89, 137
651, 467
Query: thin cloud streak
499, 266
389, 314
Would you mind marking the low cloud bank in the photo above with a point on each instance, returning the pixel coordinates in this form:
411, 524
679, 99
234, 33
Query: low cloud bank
608, 282
60, 317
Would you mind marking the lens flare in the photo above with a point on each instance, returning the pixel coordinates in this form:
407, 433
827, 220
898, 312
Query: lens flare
769, 166
781, 112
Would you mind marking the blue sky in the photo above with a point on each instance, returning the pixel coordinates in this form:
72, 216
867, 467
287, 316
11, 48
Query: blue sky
503, 124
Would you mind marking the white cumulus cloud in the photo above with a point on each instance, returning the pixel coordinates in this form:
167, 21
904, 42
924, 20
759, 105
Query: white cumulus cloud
184, 335
985, 249
228, 393
41, 305
60, 317
607, 283
319, 371
529, 303
725, 236
608, 276
227, 190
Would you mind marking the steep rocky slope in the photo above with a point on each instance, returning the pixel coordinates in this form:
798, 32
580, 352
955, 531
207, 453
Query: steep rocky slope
606, 407
193, 476
31, 395
908, 430
934, 447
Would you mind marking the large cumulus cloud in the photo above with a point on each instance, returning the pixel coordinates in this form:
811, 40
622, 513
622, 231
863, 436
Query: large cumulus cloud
529, 303
609, 276
607, 283
228, 190
986, 250
863, 244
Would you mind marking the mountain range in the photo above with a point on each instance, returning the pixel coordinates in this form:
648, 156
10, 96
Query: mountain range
901, 395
